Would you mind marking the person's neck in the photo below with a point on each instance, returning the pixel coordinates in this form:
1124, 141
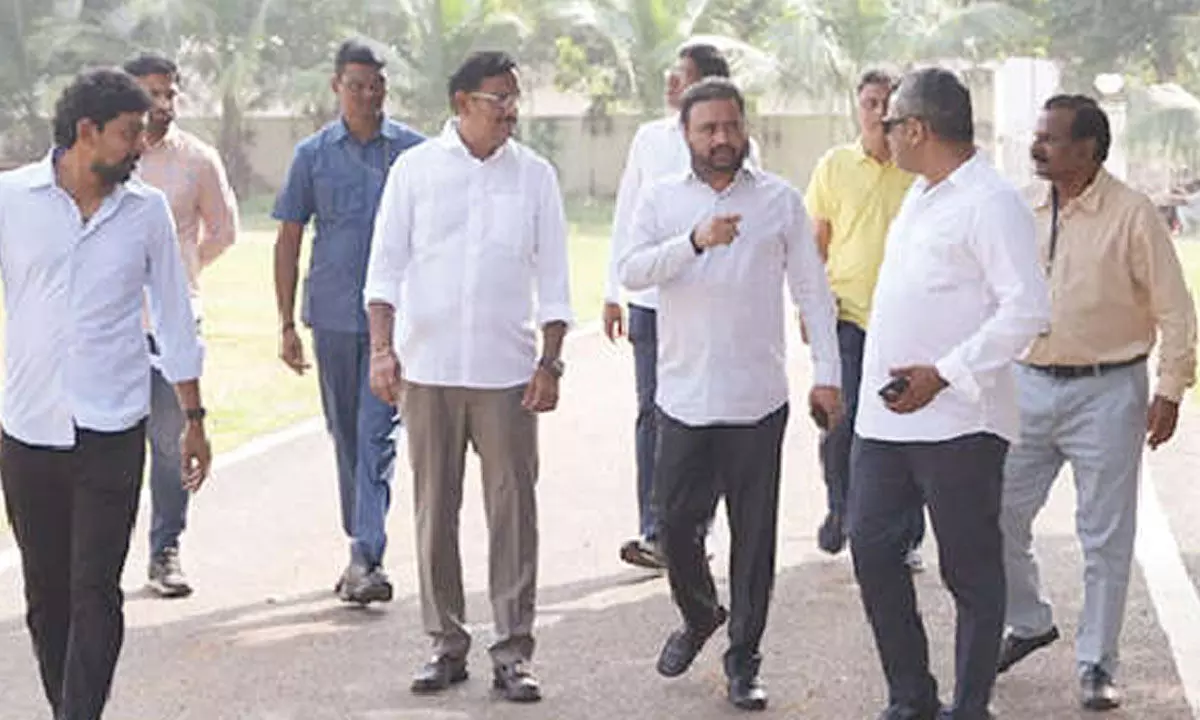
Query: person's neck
156, 135
876, 147
947, 161
79, 181
1073, 186
718, 180
479, 150
363, 129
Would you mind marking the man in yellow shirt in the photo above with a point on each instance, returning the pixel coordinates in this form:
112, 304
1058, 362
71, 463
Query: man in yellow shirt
854, 194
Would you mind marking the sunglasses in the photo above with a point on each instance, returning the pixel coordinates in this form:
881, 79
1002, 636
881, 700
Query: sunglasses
890, 124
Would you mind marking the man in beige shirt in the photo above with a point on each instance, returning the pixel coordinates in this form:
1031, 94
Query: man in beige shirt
1084, 395
190, 174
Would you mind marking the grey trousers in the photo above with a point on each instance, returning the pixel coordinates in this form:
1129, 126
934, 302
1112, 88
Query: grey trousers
441, 422
1098, 424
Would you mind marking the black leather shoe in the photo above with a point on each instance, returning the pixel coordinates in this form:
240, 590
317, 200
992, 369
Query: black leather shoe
948, 714
903, 712
684, 645
831, 536
517, 683
1097, 691
747, 693
1015, 649
438, 674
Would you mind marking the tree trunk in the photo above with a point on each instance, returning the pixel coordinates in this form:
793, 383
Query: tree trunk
231, 144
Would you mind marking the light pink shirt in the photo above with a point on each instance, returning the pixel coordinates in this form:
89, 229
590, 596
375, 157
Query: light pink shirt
191, 175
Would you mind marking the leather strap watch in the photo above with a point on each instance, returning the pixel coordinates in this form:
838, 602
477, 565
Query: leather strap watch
195, 414
555, 367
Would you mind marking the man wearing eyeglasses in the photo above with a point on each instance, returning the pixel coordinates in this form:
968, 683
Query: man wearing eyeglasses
469, 261
855, 192
960, 295
338, 175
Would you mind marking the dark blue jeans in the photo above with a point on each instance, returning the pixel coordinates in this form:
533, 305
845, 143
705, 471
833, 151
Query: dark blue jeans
364, 436
643, 335
835, 448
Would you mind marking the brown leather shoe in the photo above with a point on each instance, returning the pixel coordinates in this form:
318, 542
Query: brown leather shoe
517, 683
1097, 691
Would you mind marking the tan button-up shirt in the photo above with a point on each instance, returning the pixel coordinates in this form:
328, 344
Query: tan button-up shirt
1115, 283
190, 174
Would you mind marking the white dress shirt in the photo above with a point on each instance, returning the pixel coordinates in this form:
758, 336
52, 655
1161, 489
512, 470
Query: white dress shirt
659, 150
721, 346
75, 349
960, 288
462, 248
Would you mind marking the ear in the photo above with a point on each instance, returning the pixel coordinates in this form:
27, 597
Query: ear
334, 83
86, 130
460, 102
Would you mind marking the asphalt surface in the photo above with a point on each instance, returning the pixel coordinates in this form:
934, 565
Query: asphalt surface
264, 638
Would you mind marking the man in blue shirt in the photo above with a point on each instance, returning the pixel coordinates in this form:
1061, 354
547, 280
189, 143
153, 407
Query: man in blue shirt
337, 175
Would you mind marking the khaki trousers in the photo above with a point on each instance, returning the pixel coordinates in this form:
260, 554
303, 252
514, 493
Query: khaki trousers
441, 422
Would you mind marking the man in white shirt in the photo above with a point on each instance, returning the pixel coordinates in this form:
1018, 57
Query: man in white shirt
658, 150
80, 244
190, 173
960, 295
470, 231
719, 242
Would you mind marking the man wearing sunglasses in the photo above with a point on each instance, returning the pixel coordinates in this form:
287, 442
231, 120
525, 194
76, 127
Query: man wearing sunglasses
960, 295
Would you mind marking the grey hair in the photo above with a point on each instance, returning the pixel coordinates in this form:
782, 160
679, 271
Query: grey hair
942, 101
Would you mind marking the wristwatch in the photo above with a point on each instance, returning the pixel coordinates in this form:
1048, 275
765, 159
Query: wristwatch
195, 414
555, 367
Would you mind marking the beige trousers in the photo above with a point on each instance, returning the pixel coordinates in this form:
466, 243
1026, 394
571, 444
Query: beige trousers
441, 422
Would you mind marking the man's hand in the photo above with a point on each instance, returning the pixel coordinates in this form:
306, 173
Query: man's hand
614, 321
541, 395
291, 350
717, 230
197, 455
1161, 421
924, 384
386, 381
825, 406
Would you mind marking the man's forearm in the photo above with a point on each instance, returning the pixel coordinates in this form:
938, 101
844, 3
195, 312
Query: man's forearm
287, 271
382, 320
553, 334
188, 393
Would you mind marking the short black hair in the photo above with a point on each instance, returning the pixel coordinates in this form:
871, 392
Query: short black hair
876, 77
100, 96
478, 67
713, 88
147, 64
1090, 122
942, 101
357, 52
709, 60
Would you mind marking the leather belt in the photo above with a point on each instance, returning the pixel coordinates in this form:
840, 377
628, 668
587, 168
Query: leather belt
1078, 371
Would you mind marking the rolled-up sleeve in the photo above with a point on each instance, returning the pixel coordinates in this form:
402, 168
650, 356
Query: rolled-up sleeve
1005, 246
391, 242
181, 352
553, 270
810, 291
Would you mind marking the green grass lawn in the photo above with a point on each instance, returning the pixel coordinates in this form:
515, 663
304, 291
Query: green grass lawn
248, 391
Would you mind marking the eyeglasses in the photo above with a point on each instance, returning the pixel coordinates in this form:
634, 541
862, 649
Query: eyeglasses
507, 101
890, 124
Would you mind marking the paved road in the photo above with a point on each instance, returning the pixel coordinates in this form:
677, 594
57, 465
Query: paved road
264, 639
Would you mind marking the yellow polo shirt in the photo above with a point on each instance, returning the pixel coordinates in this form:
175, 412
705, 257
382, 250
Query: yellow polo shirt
859, 196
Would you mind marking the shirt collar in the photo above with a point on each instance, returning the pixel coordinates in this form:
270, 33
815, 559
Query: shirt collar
339, 131
865, 157
747, 174
961, 174
1089, 201
42, 177
170, 139
452, 140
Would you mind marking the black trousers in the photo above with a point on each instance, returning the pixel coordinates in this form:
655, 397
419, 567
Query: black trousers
696, 467
72, 512
960, 480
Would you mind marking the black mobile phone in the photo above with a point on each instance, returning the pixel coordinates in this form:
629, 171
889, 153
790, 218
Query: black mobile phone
820, 417
894, 389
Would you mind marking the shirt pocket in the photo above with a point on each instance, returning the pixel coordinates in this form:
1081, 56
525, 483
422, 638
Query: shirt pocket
340, 197
510, 222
